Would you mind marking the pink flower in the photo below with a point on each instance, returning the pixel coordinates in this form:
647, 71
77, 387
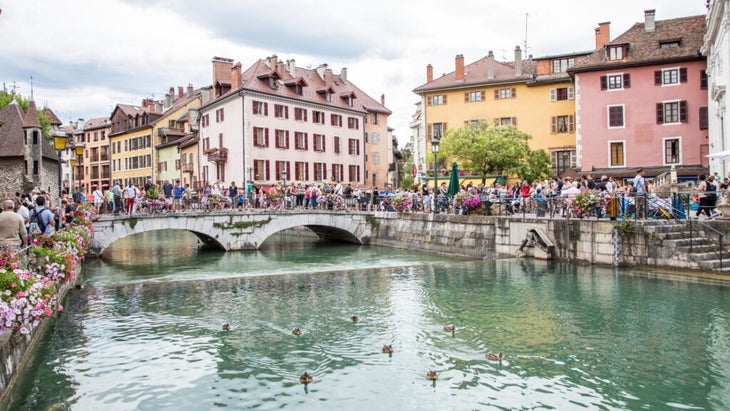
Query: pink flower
60, 307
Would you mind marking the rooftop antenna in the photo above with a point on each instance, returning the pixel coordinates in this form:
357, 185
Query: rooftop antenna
526, 15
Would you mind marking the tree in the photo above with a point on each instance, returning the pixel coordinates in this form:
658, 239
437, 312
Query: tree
487, 149
536, 166
6, 97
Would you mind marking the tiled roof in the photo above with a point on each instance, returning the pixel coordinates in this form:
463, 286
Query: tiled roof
31, 116
99, 122
256, 78
51, 116
644, 48
475, 74
12, 133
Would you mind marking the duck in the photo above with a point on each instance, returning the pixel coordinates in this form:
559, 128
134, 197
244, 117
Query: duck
226, 327
306, 378
387, 349
431, 375
494, 357
296, 331
354, 319
449, 328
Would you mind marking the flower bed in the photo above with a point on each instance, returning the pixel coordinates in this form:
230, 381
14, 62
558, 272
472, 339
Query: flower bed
29, 290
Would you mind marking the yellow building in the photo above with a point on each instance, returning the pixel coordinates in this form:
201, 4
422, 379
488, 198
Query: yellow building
534, 95
131, 143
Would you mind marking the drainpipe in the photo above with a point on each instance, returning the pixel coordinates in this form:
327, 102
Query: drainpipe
243, 139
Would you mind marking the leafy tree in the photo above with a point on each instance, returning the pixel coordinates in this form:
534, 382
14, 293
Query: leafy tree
6, 97
536, 166
487, 149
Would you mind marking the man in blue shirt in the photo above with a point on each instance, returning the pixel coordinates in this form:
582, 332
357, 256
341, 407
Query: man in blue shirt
640, 198
178, 192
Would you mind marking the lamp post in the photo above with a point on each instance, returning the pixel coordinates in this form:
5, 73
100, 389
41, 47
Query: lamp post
59, 144
79, 150
435, 148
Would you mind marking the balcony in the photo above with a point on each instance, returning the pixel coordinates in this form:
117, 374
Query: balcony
217, 155
187, 168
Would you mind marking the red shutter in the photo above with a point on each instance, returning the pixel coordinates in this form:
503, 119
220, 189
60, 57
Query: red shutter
306, 141
306, 170
357, 144
324, 143
514, 92
627, 80
429, 131
571, 124
466, 97
483, 95
496, 94
256, 170
255, 110
277, 174
266, 109
659, 113
683, 111
288, 170
553, 124
305, 114
428, 100
658, 78
287, 139
604, 82
444, 99
683, 74
324, 171
268, 175
266, 133
514, 121
286, 112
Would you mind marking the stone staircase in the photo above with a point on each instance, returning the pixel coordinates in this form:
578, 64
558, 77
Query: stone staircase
700, 251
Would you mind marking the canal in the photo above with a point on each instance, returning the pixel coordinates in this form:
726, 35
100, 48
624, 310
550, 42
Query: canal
146, 333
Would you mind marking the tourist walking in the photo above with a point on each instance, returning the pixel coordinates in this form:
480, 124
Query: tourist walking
640, 193
131, 194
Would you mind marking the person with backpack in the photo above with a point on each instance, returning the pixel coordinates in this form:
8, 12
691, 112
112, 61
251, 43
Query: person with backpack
42, 220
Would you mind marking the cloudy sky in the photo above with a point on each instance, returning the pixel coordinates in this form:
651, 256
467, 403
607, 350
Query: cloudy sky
85, 56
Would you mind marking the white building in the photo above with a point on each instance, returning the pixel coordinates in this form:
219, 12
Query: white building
717, 49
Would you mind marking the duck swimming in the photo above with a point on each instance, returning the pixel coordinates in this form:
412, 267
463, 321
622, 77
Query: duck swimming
431, 375
296, 331
226, 327
306, 378
354, 319
387, 349
494, 357
449, 328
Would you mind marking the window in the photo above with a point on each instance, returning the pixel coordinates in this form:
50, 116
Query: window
376, 118
616, 116
281, 111
507, 121
320, 171
669, 44
616, 153
616, 81
376, 158
436, 130
615, 53
319, 142
261, 169
672, 150
300, 114
301, 171
562, 124
375, 138
281, 166
337, 145
205, 120
670, 76
562, 93
300, 141
354, 173
260, 137
562, 160
337, 172
505, 93
260, 108
473, 96
353, 147
35, 167
703, 80
671, 112
436, 100
336, 120
317, 117
562, 65
282, 138
219, 115
353, 123
298, 89
273, 83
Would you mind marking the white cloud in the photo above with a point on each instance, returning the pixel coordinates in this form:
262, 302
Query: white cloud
87, 55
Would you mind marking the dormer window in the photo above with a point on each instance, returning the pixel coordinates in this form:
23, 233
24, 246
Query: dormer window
328, 96
616, 53
298, 89
562, 65
669, 43
349, 97
273, 83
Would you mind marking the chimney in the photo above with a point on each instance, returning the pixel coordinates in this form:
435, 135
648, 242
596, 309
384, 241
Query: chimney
490, 65
343, 74
382, 100
180, 92
459, 70
158, 107
320, 70
649, 24
169, 97
291, 66
221, 70
328, 76
190, 90
236, 76
429, 73
603, 34
518, 61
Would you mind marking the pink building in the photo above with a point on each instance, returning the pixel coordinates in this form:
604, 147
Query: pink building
641, 100
275, 121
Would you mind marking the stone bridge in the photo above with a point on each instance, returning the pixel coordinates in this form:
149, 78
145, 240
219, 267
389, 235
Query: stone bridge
234, 230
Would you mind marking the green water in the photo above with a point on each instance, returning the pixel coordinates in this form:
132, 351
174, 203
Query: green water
145, 333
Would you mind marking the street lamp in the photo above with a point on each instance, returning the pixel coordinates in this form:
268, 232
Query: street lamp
59, 144
435, 148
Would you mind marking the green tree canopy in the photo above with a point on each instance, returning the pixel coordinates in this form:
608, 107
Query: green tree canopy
487, 149
536, 166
